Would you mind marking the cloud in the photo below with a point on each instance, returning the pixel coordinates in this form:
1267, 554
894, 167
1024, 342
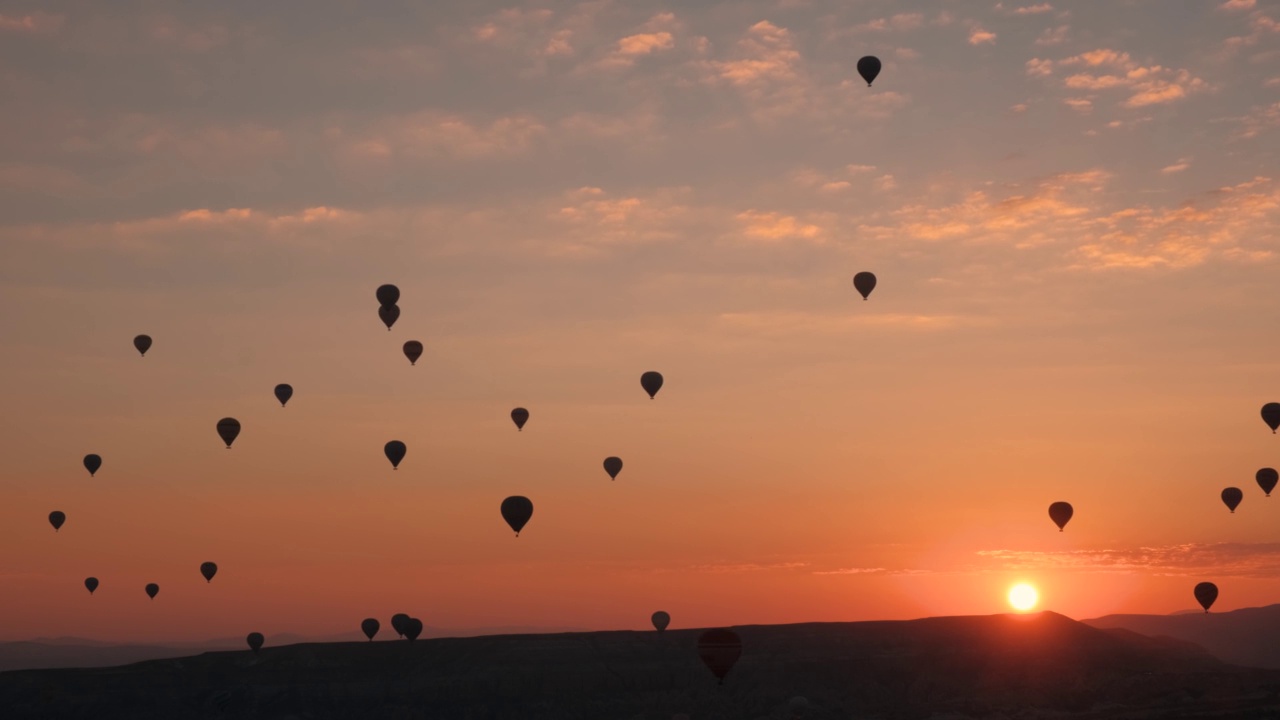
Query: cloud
769, 56
853, 169
1259, 120
1237, 5
773, 227
885, 183
1036, 9
1258, 560
589, 219
790, 324
1053, 36
901, 21
34, 23
1177, 167
1081, 105
849, 571
632, 47
431, 133
1146, 85
978, 36
747, 567
1037, 67
1260, 26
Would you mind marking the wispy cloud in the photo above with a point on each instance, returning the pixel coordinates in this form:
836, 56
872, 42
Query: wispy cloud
37, 22
1190, 559
1112, 69
979, 36
1036, 9
776, 227
1177, 167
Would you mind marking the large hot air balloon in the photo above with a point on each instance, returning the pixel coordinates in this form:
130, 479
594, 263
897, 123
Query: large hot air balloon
208, 570
412, 628
388, 294
1060, 513
142, 344
152, 590
519, 416
660, 620
370, 627
869, 68
1232, 497
1267, 478
413, 351
1271, 416
255, 641
613, 466
864, 283
92, 463
395, 451
91, 584
228, 429
56, 518
397, 623
1206, 593
284, 391
651, 382
389, 314
517, 510
719, 650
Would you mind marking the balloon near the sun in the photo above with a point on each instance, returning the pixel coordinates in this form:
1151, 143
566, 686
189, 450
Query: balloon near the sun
1023, 597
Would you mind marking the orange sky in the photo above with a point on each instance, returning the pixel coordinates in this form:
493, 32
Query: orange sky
1070, 213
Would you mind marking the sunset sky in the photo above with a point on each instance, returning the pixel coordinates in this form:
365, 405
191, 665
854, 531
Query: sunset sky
1071, 208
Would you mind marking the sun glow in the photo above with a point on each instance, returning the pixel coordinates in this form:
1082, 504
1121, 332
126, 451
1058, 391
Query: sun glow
1023, 597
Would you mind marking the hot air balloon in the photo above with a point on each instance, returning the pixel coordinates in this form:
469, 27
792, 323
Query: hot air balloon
92, 463
517, 510
1060, 513
142, 343
651, 382
869, 68
660, 620
370, 627
397, 623
255, 641
56, 518
284, 391
613, 466
412, 628
864, 283
91, 584
1206, 593
389, 314
388, 295
519, 416
413, 351
1267, 478
152, 590
1271, 415
719, 650
228, 429
395, 451
1232, 497
208, 570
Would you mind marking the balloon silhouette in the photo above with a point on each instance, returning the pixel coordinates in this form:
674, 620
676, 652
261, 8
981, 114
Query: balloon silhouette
56, 518
255, 641
1060, 513
719, 650
284, 391
370, 627
152, 590
1271, 415
864, 283
412, 628
142, 344
869, 68
92, 463
1206, 593
413, 351
651, 382
517, 510
91, 584
1267, 478
613, 466
389, 314
208, 570
395, 451
660, 620
397, 623
228, 429
1232, 497
519, 416
388, 294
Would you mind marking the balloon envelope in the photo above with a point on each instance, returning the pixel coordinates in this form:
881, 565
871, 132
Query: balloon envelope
397, 623
91, 584
1271, 415
92, 463
869, 68
412, 628
255, 641
208, 570
1206, 593
142, 344
370, 627
284, 391
519, 416
389, 314
719, 650
660, 620
228, 429
864, 283
517, 510
388, 294
413, 351
395, 451
1267, 478
152, 589
613, 466
651, 382
1060, 513
56, 518
1232, 497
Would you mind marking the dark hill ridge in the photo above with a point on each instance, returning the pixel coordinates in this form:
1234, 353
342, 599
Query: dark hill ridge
1248, 637
1042, 665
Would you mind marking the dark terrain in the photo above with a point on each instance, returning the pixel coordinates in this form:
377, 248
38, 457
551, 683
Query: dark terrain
1006, 666
1250, 636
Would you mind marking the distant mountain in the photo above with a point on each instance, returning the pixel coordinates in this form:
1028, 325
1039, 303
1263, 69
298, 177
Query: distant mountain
1248, 637
1025, 666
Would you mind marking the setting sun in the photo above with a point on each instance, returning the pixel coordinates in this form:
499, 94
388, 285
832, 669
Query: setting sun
1023, 597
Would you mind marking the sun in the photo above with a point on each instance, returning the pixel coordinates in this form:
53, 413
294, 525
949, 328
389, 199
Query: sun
1023, 597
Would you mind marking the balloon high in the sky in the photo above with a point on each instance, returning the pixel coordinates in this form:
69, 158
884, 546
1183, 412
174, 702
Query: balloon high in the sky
613, 466
1271, 415
719, 650
412, 628
91, 584
395, 451
517, 510
397, 623
1232, 497
388, 294
284, 391
152, 590
92, 463
660, 620
413, 351
1060, 513
864, 283
1267, 478
370, 627
208, 570
228, 429
869, 68
389, 314
255, 641
1206, 593
56, 518
519, 416
142, 344
651, 382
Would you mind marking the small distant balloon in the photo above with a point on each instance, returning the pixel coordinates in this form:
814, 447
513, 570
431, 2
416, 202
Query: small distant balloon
517, 510
395, 451
91, 584
1060, 513
1232, 497
651, 382
869, 68
1206, 593
397, 623
152, 590
1271, 415
388, 294
660, 620
1267, 478
284, 391
370, 627
412, 628
389, 314
613, 466
413, 351
92, 463
228, 429
208, 570
519, 416
255, 641
719, 650
142, 344
864, 283
56, 518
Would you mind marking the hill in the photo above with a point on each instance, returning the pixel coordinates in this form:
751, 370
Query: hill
1248, 637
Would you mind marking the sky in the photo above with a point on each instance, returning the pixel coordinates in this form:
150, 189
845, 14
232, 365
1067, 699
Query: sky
1071, 209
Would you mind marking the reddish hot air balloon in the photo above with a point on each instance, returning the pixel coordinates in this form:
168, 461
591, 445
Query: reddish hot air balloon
1267, 479
517, 510
1206, 593
651, 382
389, 314
613, 466
1232, 497
92, 463
284, 391
395, 452
91, 584
1060, 513
719, 650
152, 590
519, 416
142, 344
208, 570
413, 351
864, 283
228, 430
56, 518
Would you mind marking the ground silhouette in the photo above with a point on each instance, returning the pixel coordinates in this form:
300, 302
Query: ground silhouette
1249, 636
